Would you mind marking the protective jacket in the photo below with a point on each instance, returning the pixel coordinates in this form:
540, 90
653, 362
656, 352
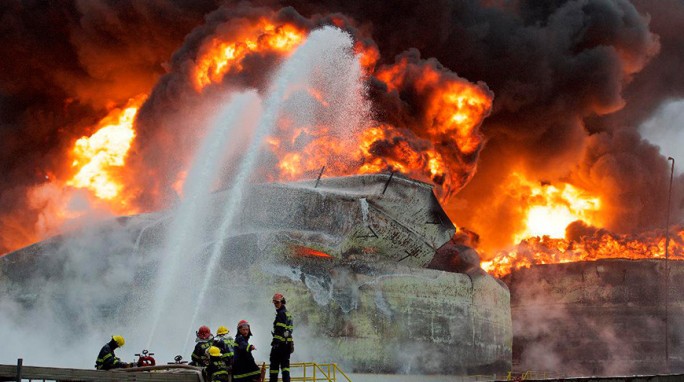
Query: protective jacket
281, 345
107, 360
244, 366
199, 354
282, 327
227, 346
217, 370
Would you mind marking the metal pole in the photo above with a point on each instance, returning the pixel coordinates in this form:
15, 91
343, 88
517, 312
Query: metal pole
20, 362
667, 270
319, 176
387, 183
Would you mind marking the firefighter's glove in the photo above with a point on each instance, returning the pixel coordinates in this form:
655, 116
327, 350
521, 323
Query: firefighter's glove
286, 334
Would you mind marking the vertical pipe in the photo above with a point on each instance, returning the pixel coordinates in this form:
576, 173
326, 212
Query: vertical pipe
667, 271
20, 362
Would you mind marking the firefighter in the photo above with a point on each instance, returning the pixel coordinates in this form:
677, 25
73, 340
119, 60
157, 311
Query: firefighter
217, 370
282, 344
244, 367
226, 344
203, 342
107, 360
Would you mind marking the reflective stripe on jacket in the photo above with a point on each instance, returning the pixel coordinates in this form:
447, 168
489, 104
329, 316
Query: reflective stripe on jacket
282, 326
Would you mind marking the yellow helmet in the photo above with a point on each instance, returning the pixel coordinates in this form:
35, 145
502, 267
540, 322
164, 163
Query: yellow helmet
222, 330
214, 351
119, 340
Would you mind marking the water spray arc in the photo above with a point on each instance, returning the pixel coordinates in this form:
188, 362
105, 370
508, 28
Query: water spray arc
194, 247
323, 51
183, 237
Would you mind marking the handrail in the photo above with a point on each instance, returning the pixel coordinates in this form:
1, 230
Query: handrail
314, 372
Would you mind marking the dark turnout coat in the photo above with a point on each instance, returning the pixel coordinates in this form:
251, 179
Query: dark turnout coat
107, 360
244, 366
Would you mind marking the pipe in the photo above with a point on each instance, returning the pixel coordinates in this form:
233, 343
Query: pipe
20, 362
667, 270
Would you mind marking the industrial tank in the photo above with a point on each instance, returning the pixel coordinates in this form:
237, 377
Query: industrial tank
366, 263
606, 317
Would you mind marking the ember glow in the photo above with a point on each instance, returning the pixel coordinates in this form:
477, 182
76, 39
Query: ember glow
309, 252
96, 158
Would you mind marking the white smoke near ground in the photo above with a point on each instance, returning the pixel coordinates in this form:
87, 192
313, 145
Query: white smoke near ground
71, 301
589, 319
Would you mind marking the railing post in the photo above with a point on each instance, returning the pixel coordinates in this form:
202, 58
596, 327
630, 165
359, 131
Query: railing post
20, 362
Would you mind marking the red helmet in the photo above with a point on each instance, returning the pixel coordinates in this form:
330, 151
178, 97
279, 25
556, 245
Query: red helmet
278, 297
242, 323
204, 332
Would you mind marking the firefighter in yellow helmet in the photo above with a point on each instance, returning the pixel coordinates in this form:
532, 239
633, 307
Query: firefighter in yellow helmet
226, 344
217, 370
107, 360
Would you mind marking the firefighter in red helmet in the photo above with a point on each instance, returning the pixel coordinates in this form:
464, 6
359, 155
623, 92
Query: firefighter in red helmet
244, 367
282, 344
203, 341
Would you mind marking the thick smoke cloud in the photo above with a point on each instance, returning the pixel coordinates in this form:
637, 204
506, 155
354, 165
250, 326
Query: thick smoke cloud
64, 64
572, 81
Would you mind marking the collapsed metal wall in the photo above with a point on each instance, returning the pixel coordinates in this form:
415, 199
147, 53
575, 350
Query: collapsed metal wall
370, 303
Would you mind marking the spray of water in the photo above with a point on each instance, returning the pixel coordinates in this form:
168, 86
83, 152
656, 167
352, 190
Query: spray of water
196, 242
320, 52
184, 237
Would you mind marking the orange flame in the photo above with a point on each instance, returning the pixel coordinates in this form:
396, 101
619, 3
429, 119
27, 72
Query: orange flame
600, 245
455, 111
222, 55
551, 208
559, 228
95, 157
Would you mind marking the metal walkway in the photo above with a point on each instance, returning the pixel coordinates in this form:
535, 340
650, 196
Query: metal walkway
300, 372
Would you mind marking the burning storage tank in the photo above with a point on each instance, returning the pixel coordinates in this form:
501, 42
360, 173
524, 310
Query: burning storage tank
605, 317
361, 259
